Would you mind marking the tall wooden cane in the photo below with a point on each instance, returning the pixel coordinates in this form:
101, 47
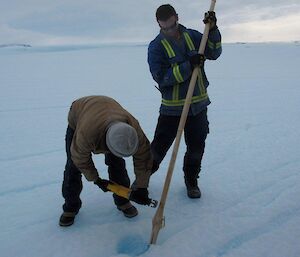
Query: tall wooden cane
158, 219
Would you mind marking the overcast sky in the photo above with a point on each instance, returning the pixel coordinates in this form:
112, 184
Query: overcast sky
40, 22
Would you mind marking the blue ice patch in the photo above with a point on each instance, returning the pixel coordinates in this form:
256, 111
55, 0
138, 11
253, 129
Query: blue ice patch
133, 245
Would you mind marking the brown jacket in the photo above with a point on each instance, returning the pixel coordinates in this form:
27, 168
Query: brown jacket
89, 117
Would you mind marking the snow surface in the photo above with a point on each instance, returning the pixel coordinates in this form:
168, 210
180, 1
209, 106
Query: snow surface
250, 176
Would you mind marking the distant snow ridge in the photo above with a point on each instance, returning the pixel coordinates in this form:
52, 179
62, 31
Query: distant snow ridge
15, 45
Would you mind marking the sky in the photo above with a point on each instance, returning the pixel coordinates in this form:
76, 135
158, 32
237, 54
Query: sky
54, 22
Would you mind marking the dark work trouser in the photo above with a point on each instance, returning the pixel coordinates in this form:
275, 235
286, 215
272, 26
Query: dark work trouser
195, 133
72, 183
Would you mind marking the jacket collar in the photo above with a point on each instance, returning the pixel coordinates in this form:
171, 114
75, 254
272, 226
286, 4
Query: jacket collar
181, 30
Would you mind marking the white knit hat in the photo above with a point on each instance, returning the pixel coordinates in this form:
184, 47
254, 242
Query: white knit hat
122, 139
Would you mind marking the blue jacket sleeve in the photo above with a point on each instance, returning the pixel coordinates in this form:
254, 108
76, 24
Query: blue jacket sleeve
213, 47
162, 72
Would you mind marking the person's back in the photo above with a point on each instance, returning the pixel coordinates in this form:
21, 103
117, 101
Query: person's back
96, 109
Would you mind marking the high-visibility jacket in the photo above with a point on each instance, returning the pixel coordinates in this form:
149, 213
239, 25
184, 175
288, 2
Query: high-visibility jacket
170, 67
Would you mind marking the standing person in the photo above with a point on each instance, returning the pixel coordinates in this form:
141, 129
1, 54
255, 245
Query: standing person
172, 56
99, 124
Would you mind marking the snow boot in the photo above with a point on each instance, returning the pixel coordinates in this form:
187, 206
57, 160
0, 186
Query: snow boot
67, 219
193, 191
128, 210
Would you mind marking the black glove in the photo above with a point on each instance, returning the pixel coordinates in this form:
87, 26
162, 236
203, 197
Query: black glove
155, 166
140, 196
210, 17
102, 184
197, 60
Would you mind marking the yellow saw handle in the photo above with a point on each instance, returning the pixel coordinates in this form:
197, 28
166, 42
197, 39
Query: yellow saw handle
119, 190
125, 192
